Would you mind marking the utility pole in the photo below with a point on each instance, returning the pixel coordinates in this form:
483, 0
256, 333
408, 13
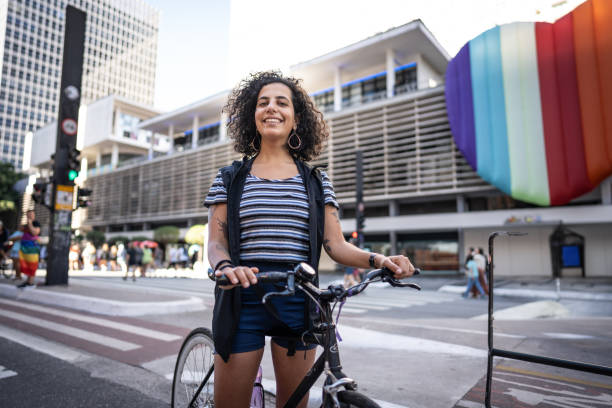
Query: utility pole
66, 161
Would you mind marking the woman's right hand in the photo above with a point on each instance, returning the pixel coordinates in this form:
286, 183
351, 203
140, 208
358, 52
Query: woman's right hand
239, 275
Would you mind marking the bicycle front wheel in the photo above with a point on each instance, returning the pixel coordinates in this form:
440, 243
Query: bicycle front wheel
352, 399
194, 363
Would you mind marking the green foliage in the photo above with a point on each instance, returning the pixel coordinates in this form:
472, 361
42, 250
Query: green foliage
118, 238
9, 198
195, 235
140, 238
167, 234
96, 237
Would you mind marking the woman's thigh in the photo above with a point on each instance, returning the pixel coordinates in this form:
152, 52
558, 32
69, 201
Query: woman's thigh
234, 379
289, 372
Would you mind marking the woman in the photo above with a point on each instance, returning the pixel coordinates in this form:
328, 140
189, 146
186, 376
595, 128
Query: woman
268, 213
29, 249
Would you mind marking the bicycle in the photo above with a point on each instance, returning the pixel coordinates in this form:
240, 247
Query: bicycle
192, 385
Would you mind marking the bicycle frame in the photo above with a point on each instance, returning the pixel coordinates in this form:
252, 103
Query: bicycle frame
322, 334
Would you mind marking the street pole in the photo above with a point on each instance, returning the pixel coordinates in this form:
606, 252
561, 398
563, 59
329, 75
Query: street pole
63, 187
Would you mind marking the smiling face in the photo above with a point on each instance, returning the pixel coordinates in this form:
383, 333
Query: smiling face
274, 114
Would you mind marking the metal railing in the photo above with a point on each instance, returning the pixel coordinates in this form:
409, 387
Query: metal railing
532, 358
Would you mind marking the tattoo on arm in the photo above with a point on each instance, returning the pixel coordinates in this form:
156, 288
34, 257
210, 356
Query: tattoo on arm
327, 246
223, 227
335, 214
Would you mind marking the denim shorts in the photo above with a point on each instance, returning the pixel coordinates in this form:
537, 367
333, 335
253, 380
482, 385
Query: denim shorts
256, 322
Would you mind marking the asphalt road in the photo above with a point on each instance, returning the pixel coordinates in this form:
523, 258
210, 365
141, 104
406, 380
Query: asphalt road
404, 348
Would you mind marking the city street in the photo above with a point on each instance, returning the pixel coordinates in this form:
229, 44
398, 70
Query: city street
404, 348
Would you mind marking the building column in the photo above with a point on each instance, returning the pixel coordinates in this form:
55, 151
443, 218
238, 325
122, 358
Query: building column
337, 90
393, 212
171, 139
194, 134
151, 154
98, 161
118, 123
461, 247
115, 156
223, 127
461, 204
390, 73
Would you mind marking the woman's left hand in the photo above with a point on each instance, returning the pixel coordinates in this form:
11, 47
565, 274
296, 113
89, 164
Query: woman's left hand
399, 264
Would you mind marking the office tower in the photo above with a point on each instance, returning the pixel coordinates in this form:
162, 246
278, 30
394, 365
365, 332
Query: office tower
120, 59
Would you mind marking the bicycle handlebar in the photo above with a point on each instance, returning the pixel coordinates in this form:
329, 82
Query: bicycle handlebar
304, 274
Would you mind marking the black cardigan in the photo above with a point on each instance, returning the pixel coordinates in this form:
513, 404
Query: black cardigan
226, 313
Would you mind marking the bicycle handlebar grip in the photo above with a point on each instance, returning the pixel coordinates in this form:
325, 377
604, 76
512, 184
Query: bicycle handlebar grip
263, 277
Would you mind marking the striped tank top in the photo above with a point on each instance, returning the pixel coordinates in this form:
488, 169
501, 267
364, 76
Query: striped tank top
273, 217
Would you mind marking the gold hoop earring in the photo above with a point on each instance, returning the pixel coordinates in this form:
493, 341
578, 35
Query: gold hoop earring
299, 141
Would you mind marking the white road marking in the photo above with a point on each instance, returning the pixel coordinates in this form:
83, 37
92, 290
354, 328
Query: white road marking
362, 338
141, 331
6, 373
72, 331
349, 309
42, 345
568, 336
453, 329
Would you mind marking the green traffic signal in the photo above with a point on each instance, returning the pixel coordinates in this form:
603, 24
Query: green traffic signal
72, 174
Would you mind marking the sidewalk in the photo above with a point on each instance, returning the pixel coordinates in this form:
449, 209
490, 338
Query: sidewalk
596, 288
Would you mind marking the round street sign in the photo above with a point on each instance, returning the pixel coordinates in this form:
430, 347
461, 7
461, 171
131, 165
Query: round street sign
69, 126
71, 92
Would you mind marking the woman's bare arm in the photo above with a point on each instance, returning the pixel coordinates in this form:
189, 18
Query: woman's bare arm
218, 248
347, 254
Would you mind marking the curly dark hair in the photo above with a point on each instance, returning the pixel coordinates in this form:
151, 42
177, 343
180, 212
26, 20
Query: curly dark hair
240, 108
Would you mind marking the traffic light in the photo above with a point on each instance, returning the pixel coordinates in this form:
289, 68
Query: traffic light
74, 163
83, 200
360, 221
38, 195
355, 235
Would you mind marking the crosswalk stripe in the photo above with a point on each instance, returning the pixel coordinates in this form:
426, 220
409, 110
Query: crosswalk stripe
353, 310
141, 331
72, 331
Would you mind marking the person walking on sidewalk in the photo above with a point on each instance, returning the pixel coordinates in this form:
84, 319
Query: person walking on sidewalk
29, 249
267, 213
472, 275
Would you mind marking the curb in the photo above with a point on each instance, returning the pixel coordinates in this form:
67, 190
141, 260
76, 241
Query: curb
538, 294
101, 306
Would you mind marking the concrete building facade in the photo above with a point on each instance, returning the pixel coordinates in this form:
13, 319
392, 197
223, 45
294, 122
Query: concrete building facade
383, 96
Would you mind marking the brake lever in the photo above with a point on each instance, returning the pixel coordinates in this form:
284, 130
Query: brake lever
290, 289
398, 284
286, 292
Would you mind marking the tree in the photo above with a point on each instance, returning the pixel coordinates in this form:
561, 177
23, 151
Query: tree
118, 238
167, 234
9, 198
195, 234
96, 237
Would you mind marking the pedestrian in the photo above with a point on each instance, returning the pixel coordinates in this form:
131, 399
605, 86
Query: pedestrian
29, 249
267, 213
73, 257
15, 238
481, 262
147, 260
103, 256
471, 272
174, 257
3, 240
112, 257
122, 256
89, 256
134, 258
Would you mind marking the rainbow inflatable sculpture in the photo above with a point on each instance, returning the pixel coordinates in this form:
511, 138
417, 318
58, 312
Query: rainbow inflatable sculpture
530, 105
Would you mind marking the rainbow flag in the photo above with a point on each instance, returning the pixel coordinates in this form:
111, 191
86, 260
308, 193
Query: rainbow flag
530, 105
28, 257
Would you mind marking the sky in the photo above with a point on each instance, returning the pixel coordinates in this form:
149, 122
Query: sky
207, 46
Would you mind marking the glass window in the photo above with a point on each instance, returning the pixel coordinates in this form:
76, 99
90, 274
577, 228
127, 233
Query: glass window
431, 251
208, 134
405, 80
